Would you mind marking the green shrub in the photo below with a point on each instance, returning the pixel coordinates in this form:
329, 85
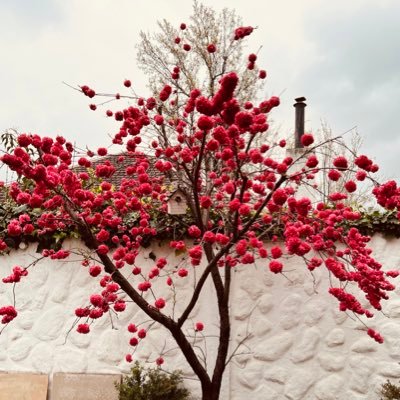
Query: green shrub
151, 384
390, 391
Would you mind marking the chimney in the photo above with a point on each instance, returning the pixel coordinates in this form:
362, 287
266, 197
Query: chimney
299, 121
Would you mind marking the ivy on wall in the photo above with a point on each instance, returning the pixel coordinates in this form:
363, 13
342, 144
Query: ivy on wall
169, 227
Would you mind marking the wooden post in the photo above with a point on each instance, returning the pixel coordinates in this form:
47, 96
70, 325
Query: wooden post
299, 120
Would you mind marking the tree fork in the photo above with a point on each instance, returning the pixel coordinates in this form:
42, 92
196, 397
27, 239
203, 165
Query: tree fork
167, 322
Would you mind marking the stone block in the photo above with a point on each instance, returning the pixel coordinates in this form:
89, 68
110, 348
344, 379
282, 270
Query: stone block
250, 377
330, 388
23, 386
336, 337
84, 386
332, 361
306, 348
274, 348
298, 384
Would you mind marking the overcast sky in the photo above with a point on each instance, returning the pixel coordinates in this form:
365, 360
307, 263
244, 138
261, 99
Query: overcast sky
343, 56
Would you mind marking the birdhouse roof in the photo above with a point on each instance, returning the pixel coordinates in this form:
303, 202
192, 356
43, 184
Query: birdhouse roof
174, 192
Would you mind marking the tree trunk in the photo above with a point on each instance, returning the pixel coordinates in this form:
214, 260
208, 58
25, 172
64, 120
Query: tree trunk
210, 393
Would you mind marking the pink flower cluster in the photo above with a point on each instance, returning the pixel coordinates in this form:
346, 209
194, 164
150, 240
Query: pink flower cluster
8, 313
242, 32
16, 275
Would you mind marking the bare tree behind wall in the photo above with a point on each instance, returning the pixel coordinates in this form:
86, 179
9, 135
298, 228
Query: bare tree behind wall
158, 54
351, 144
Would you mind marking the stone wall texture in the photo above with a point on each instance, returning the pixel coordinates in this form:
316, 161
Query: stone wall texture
296, 345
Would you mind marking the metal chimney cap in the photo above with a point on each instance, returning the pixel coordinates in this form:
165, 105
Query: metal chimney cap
300, 99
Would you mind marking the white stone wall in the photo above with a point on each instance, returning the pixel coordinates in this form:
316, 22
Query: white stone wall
298, 346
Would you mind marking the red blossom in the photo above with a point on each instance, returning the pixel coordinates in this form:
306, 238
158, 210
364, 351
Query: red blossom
142, 333
243, 119
144, 286
159, 303
252, 57
95, 270
132, 328
194, 231
102, 151
59, 255
14, 229
159, 361
82, 312
134, 341
165, 93
363, 162
312, 161
83, 328
262, 74
199, 326
275, 267
162, 262
340, 163
279, 197
242, 32
87, 91
337, 196
103, 235
205, 202
119, 306
205, 123
307, 139
196, 252
361, 175
334, 175
178, 245
102, 249
8, 313
96, 313
96, 300
16, 275
209, 237
221, 239
350, 186
276, 252
182, 272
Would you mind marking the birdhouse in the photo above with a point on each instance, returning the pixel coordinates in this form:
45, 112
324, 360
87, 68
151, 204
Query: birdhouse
177, 204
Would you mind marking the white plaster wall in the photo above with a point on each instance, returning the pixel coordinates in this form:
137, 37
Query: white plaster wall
301, 347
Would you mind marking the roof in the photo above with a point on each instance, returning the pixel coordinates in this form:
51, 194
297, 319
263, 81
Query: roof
120, 166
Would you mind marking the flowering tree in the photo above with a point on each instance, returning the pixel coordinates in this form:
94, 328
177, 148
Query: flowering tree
240, 190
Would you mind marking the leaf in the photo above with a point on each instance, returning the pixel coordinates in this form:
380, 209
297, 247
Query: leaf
180, 252
74, 235
20, 209
59, 236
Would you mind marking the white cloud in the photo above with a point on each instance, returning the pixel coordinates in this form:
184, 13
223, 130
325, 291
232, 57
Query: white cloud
307, 50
